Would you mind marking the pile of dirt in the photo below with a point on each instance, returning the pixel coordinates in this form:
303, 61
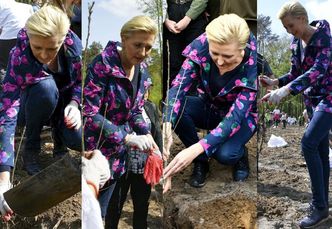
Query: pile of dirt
283, 182
221, 203
66, 215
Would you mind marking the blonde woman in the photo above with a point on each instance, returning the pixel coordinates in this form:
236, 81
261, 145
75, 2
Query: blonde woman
223, 62
42, 85
311, 73
117, 80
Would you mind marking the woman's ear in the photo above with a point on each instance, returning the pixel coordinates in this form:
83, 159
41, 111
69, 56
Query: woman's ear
242, 52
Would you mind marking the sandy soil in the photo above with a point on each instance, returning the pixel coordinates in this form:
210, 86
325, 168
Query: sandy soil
283, 182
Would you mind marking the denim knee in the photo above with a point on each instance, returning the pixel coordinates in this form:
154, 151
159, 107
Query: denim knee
227, 157
308, 145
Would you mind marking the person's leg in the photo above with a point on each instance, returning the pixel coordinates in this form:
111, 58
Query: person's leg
140, 193
38, 103
105, 194
196, 113
324, 150
5, 47
64, 137
315, 150
117, 201
233, 152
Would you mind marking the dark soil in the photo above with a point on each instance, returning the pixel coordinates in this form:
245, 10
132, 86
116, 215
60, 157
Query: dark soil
66, 215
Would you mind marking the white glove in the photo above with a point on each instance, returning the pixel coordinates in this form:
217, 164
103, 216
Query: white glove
5, 210
72, 116
277, 95
267, 81
142, 142
96, 169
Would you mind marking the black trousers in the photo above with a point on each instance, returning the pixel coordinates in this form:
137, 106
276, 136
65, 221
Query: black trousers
5, 47
140, 194
178, 42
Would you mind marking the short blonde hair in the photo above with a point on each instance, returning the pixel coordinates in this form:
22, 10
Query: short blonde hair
47, 22
294, 9
228, 28
140, 23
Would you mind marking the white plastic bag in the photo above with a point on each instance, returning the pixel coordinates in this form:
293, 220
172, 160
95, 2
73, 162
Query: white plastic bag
276, 141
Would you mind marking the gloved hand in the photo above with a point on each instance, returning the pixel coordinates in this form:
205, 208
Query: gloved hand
153, 169
72, 115
142, 142
267, 81
96, 169
5, 210
277, 95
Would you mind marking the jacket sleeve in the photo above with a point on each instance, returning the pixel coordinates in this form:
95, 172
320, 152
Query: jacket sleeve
180, 86
74, 50
94, 90
9, 108
231, 122
77, 87
295, 69
136, 120
316, 72
197, 7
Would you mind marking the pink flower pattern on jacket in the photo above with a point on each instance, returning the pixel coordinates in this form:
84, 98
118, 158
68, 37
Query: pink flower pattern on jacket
23, 70
238, 96
108, 92
313, 75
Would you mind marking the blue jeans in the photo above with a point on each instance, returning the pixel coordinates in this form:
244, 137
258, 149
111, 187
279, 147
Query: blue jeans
315, 147
105, 195
199, 113
42, 104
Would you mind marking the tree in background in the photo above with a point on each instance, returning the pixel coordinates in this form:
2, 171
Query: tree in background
276, 51
154, 9
94, 49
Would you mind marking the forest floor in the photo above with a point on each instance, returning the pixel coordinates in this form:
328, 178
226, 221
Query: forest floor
66, 215
283, 182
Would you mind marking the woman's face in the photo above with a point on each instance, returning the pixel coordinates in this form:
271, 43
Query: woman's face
137, 47
45, 49
294, 25
226, 56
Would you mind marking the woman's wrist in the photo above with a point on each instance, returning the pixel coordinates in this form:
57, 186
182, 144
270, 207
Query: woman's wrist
197, 148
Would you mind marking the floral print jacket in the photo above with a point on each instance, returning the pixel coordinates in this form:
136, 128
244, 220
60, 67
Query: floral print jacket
236, 101
24, 70
108, 92
313, 75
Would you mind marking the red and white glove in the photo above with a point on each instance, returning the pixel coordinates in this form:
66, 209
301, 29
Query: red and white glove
72, 116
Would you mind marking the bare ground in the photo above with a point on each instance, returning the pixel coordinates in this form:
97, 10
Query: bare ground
66, 215
221, 203
284, 184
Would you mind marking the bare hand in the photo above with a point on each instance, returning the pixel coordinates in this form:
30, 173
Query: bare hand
267, 81
183, 159
170, 25
183, 23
